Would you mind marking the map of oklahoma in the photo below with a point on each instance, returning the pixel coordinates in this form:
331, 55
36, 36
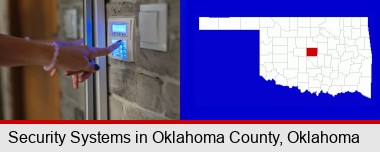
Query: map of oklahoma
316, 54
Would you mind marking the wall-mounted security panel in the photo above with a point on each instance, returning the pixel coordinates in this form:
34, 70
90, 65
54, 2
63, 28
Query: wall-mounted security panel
153, 26
121, 28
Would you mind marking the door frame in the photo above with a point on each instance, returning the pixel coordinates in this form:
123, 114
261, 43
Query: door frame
96, 106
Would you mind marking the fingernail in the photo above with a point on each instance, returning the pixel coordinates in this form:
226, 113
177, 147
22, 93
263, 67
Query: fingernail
97, 67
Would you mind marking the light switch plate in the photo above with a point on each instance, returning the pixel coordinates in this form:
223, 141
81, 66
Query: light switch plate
70, 23
153, 29
149, 27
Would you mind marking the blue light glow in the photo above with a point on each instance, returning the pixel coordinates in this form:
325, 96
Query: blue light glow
121, 51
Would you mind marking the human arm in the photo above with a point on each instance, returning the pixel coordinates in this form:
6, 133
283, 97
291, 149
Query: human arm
73, 58
18, 52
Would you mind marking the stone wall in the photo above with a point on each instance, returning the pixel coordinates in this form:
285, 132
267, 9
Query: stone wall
149, 88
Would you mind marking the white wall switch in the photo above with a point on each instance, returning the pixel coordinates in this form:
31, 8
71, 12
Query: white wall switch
153, 26
149, 27
121, 28
70, 23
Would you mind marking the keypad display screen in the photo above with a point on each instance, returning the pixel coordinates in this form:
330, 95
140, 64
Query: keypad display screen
119, 28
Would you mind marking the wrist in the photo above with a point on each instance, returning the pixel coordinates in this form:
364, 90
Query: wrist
42, 53
53, 63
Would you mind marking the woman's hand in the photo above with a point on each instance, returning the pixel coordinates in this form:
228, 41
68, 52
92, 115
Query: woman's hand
77, 59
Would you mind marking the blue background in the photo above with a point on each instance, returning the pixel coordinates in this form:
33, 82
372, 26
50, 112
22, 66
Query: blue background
220, 69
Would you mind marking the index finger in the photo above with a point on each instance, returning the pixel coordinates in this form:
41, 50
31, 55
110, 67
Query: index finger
107, 50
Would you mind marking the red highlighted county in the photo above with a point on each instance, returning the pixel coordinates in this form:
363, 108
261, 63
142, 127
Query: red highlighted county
311, 51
